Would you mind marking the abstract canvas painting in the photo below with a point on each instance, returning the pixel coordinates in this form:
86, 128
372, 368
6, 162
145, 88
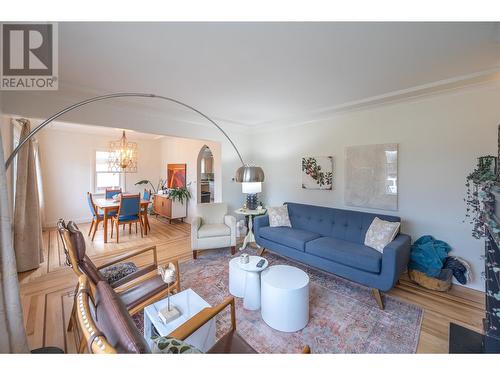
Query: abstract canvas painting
317, 172
176, 175
371, 176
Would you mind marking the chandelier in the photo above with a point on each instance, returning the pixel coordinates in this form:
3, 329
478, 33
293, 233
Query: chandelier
122, 155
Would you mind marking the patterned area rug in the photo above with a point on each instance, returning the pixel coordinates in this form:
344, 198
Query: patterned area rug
344, 317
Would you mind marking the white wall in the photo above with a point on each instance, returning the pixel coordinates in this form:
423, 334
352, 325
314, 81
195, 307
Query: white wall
67, 159
185, 151
439, 139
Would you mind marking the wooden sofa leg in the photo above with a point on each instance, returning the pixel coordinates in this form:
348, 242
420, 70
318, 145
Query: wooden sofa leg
233, 250
195, 254
378, 297
261, 251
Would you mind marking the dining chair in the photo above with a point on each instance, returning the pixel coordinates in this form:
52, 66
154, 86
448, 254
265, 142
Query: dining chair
97, 218
146, 195
129, 212
111, 192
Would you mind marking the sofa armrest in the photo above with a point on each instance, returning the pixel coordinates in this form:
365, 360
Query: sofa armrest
395, 259
259, 222
230, 221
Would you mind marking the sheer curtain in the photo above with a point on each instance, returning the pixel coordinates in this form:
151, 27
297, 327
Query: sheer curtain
12, 333
28, 242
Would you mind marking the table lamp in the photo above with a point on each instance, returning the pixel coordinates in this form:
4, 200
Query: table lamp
251, 189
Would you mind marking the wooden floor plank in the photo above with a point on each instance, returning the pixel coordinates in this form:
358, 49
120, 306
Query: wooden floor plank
47, 292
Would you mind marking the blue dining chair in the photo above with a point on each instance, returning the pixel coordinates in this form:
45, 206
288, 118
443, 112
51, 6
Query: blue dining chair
110, 192
128, 213
97, 217
144, 210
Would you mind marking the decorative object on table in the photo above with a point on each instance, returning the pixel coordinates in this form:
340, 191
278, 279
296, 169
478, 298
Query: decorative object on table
317, 172
176, 175
110, 193
278, 216
371, 176
440, 283
251, 189
168, 275
381, 233
479, 198
249, 214
244, 258
122, 155
427, 255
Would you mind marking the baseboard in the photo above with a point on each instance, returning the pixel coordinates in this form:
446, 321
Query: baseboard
53, 224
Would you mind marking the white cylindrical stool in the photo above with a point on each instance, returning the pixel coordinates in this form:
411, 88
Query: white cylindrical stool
285, 298
236, 278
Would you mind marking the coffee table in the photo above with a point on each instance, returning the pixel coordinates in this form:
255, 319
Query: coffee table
251, 298
189, 303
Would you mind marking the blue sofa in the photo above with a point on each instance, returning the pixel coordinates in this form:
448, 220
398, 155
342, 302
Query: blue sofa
333, 240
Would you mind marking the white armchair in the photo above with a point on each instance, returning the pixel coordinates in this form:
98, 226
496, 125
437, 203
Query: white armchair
213, 228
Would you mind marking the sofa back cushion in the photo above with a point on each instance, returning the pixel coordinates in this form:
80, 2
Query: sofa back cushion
333, 222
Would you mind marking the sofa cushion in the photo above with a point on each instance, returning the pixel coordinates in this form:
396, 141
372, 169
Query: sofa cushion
347, 253
295, 238
213, 230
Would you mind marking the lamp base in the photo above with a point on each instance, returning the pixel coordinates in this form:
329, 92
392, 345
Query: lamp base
252, 201
167, 315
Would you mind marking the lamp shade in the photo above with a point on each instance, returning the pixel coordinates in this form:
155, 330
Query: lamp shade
251, 187
247, 173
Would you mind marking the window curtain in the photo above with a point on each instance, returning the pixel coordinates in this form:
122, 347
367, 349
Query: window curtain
28, 242
12, 333
39, 181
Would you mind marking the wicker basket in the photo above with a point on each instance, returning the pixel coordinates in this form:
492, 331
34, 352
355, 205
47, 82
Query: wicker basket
441, 284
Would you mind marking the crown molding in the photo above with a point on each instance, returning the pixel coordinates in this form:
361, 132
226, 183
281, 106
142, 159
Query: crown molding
441, 87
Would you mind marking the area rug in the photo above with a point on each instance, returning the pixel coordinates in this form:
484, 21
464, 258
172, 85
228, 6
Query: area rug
344, 317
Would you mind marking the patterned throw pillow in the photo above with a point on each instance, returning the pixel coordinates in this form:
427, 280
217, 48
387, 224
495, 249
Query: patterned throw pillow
118, 271
381, 233
278, 216
169, 345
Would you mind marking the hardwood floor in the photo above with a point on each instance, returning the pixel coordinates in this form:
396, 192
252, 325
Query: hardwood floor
47, 293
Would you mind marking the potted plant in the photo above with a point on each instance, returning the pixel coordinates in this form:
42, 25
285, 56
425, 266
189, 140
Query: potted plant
479, 198
180, 194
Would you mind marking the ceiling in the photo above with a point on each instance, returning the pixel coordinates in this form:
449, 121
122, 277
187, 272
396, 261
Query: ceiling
256, 73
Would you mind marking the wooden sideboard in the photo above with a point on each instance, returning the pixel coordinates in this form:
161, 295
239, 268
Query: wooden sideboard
166, 207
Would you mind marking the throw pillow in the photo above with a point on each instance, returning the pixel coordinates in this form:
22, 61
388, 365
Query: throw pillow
278, 216
118, 271
169, 345
381, 233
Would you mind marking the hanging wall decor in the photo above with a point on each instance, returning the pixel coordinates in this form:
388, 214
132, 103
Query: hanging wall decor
371, 176
317, 172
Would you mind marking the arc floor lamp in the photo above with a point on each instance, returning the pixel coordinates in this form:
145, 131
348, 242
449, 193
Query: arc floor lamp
245, 173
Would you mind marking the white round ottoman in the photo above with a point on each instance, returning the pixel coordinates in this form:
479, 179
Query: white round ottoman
236, 278
285, 298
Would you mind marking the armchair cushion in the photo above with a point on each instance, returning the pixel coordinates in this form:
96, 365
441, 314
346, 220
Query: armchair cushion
142, 291
213, 230
170, 345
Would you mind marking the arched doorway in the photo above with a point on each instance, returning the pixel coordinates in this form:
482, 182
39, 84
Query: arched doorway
206, 174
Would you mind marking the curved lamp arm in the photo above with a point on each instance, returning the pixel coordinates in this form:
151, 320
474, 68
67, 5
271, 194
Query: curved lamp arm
112, 96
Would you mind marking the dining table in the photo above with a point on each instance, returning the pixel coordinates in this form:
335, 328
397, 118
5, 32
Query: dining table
110, 205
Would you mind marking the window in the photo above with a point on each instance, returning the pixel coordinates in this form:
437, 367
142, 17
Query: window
103, 178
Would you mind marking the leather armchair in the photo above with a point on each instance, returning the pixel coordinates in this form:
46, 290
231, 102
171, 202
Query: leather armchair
213, 228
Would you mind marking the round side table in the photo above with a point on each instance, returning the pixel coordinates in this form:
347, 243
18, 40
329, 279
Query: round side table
237, 278
251, 299
249, 238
